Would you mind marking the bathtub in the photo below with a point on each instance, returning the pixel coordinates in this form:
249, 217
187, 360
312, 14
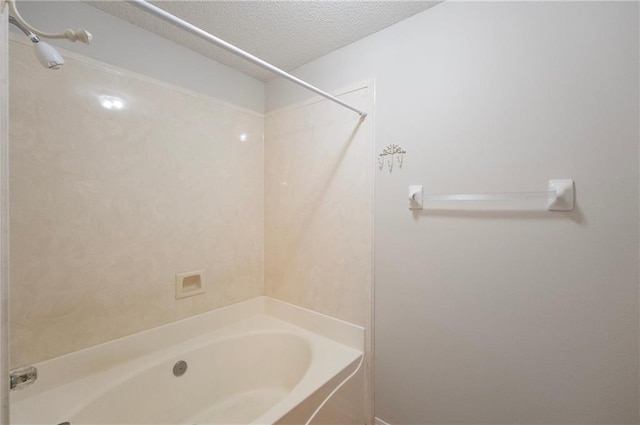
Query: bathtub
261, 361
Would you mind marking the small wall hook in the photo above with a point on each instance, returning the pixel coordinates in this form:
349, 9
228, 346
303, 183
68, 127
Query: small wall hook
415, 197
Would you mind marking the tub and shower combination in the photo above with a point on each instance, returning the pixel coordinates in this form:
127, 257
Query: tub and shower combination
261, 361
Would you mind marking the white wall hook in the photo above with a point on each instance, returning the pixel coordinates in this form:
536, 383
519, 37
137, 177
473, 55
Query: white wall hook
415, 197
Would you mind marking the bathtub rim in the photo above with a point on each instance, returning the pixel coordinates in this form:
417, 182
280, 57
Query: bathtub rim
82, 367
98, 358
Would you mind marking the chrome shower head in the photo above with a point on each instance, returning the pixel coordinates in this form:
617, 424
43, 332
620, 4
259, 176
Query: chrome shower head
46, 54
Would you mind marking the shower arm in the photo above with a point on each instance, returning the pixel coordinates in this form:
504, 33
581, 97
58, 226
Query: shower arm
79, 34
34, 38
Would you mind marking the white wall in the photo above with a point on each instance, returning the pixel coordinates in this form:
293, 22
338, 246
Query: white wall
122, 44
503, 316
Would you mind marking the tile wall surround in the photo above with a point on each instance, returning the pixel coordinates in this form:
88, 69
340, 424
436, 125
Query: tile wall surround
319, 164
318, 207
108, 205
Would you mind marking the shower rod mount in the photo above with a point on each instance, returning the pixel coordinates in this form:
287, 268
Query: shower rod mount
79, 34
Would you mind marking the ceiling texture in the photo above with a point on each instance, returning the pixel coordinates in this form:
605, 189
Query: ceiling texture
285, 33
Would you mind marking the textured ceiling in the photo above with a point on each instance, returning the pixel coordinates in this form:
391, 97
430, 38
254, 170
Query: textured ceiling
285, 33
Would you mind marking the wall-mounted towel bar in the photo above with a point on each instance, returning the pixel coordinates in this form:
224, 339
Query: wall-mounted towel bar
559, 196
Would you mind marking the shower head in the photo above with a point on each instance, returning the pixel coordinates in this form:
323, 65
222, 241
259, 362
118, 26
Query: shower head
46, 54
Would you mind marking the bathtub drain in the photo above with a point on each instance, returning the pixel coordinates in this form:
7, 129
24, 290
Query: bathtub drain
180, 368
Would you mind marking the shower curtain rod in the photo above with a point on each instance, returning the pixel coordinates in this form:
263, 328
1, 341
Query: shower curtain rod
174, 20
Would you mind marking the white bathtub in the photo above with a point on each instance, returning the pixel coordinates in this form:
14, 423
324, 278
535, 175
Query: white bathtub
257, 362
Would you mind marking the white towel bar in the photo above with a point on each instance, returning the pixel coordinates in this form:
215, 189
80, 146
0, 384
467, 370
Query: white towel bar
559, 196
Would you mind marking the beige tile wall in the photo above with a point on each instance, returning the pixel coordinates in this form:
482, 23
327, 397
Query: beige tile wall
319, 210
107, 206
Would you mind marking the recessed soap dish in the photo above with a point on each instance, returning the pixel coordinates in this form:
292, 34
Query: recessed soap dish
189, 284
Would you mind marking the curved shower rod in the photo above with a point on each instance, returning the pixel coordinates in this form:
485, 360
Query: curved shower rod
79, 34
198, 32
